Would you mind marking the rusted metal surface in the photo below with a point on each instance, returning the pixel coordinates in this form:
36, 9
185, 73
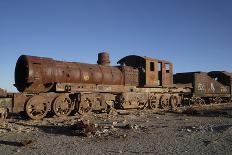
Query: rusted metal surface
37, 107
62, 105
3, 93
127, 100
207, 86
138, 83
103, 59
3, 113
18, 102
131, 76
6, 103
203, 84
152, 72
223, 77
78, 88
166, 74
98, 102
38, 74
5, 107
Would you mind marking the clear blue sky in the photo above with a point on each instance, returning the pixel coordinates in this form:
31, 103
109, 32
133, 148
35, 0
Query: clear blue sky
193, 34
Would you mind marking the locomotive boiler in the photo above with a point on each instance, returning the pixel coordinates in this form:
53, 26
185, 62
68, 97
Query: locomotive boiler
38, 74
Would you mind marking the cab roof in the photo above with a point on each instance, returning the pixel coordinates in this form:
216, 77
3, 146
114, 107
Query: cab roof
135, 59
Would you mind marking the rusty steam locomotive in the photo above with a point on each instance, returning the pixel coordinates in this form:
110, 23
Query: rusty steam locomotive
46, 85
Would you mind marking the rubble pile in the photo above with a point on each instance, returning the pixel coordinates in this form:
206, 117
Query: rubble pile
16, 128
87, 129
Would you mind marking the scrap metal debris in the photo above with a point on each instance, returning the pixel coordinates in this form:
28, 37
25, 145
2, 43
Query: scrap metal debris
87, 129
84, 129
26, 142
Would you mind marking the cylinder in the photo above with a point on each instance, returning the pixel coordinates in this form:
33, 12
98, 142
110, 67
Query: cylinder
103, 59
39, 74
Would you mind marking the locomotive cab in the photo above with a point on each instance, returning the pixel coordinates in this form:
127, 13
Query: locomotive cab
152, 72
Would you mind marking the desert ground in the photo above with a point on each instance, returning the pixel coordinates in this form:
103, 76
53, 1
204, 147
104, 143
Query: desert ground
120, 132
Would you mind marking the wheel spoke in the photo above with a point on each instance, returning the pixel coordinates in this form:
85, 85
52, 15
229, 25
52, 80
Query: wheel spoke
62, 105
154, 102
164, 103
85, 106
175, 102
36, 107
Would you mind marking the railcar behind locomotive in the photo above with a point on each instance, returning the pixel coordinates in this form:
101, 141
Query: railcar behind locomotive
137, 82
213, 87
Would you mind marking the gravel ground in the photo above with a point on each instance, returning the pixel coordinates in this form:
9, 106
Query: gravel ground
137, 132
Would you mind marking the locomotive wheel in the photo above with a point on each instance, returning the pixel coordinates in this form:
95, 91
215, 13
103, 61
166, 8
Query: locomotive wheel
217, 100
85, 106
200, 101
164, 102
36, 107
62, 106
142, 105
154, 102
175, 102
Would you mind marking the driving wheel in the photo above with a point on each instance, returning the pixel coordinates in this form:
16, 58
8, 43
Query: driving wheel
62, 106
36, 107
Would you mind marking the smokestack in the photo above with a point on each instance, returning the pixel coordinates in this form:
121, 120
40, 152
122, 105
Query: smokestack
103, 59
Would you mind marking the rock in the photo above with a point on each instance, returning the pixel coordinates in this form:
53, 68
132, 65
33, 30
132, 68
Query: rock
123, 112
3, 131
108, 127
12, 129
136, 126
105, 131
44, 122
124, 122
113, 112
188, 130
73, 122
125, 135
26, 142
20, 129
114, 123
98, 134
206, 142
84, 129
123, 126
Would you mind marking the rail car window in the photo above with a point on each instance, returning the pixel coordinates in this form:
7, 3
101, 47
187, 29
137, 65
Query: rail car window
160, 73
160, 66
152, 66
167, 68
